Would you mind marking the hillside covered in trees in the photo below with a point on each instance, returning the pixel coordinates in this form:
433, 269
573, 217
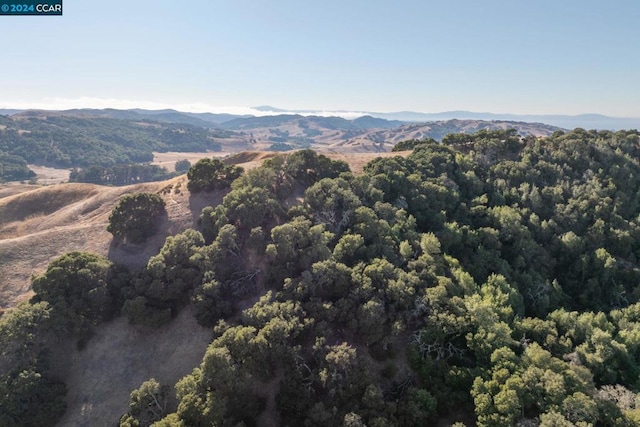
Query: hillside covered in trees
66, 141
113, 147
488, 280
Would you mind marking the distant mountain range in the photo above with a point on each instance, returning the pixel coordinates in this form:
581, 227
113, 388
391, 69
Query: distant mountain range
586, 121
359, 120
88, 137
206, 120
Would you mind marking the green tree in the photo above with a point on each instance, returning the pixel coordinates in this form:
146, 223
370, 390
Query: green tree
410, 144
82, 289
182, 165
164, 285
136, 216
250, 207
219, 391
296, 246
307, 167
14, 168
25, 331
29, 396
212, 220
211, 174
226, 280
147, 404
332, 203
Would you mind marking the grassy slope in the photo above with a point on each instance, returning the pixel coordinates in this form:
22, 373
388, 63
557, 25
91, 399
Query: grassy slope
41, 224
118, 359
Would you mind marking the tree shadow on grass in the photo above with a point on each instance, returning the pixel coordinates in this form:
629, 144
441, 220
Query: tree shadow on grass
135, 256
199, 201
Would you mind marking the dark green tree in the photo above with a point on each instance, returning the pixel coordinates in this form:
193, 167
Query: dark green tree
30, 399
147, 405
410, 144
211, 174
182, 165
136, 216
29, 395
165, 284
82, 289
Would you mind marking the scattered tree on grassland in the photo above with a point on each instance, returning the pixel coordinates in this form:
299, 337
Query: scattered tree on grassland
182, 165
135, 218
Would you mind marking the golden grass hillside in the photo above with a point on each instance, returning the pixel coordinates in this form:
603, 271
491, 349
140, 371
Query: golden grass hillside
38, 225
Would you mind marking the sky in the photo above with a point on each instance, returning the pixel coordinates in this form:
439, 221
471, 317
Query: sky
501, 56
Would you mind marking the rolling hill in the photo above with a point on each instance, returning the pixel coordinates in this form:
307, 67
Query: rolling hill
38, 225
334, 134
54, 138
84, 138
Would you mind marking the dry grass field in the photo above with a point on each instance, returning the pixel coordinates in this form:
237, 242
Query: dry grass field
47, 176
168, 160
38, 225
12, 188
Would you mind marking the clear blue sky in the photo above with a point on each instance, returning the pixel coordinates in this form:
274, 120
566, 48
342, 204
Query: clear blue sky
502, 56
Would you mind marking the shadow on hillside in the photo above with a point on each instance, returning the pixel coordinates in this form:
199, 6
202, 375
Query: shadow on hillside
199, 201
135, 256
118, 358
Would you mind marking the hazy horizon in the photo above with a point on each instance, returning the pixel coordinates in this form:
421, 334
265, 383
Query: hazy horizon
258, 111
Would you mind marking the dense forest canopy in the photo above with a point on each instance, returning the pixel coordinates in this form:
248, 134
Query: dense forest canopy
67, 141
14, 168
489, 278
